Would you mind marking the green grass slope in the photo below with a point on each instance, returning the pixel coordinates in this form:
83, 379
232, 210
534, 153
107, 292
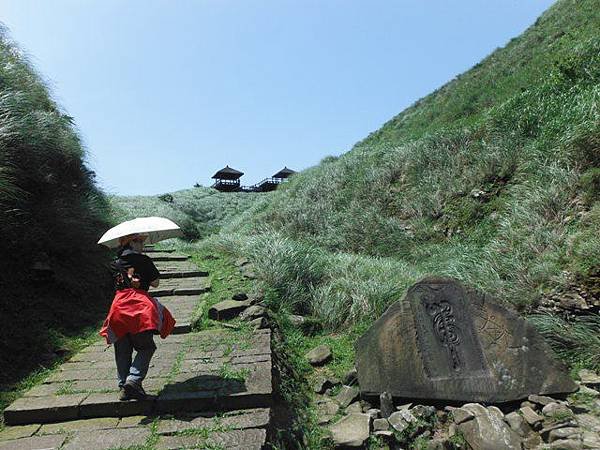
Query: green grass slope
493, 179
199, 211
53, 281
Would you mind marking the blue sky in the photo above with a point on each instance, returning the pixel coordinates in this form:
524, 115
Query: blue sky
166, 92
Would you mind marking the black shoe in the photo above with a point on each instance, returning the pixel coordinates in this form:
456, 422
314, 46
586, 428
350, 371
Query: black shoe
134, 390
122, 394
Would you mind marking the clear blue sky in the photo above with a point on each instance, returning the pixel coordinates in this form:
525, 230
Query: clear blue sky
165, 92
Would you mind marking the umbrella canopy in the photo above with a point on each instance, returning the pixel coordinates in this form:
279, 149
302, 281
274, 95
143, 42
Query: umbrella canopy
156, 228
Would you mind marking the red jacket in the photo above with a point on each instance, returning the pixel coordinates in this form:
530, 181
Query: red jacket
134, 311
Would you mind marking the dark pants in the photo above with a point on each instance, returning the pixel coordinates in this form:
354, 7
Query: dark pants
134, 371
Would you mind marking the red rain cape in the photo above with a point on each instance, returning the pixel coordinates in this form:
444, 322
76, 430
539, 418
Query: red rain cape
134, 311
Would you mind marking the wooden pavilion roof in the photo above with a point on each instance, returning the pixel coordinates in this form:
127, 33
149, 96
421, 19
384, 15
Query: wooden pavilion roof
228, 173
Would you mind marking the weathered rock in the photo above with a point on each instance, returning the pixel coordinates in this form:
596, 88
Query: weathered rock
588, 421
354, 408
567, 444
351, 377
296, 320
326, 409
397, 422
589, 378
240, 296
517, 423
347, 395
227, 309
319, 355
373, 413
444, 341
531, 417
439, 444
460, 415
423, 412
487, 430
253, 312
259, 323
564, 433
551, 426
529, 404
556, 410
321, 384
351, 431
540, 399
381, 425
591, 440
532, 441
588, 391
386, 405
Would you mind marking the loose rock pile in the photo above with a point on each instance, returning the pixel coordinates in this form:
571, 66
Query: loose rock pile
540, 422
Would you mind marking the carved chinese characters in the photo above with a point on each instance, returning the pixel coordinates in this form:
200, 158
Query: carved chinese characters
444, 341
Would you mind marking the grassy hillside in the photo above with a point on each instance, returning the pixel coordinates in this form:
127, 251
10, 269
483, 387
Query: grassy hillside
493, 179
200, 211
53, 280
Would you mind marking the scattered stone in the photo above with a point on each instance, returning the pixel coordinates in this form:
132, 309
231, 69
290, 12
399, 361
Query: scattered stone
354, 408
589, 422
323, 383
381, 425
241, 262
240, 296
439, 444
397, 422
531, 417
423, 412
563, 433
386, 404
487, 430
351, 377
226, 310
386, 436
326, 410
532, 441
556, 410
573, 301
319, 355
460, 415
589, 378
591, 440
566, 444
351, 431
296, 320
517, 423
405, 406
259, 323
347, 395
404, 353
253, 312
374, 413
540, 399
583, 389
529, 404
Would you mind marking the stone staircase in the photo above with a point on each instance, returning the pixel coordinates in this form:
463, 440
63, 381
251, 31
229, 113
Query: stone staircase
210, 389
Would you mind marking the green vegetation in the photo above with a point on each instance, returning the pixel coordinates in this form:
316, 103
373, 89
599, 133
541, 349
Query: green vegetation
200, 211
54, 283
492, 179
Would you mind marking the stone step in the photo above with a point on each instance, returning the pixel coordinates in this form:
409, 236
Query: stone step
152, 249
181, 286
165, 256
239, 429
179, 269
215, 370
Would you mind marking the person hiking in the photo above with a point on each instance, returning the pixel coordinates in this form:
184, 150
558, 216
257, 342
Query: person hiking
134, 316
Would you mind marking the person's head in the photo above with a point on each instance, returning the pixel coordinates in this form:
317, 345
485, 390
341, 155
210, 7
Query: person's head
133, 241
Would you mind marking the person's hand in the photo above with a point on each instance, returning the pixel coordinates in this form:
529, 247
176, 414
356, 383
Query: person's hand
133, 279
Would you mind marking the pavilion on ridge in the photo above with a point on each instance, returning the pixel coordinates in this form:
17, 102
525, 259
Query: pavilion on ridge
227, 180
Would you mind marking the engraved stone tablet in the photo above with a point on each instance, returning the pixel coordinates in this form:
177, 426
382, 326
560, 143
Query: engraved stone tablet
444, 341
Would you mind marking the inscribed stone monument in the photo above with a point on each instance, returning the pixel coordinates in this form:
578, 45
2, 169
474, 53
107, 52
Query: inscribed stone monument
444, 341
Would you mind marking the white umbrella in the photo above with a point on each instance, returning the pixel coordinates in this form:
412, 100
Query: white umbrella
156, 228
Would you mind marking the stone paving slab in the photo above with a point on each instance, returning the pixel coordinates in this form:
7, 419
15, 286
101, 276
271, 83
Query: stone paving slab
108, 439
181, 286
167, 256
209, 370
35, 443
179, 269
235, 439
